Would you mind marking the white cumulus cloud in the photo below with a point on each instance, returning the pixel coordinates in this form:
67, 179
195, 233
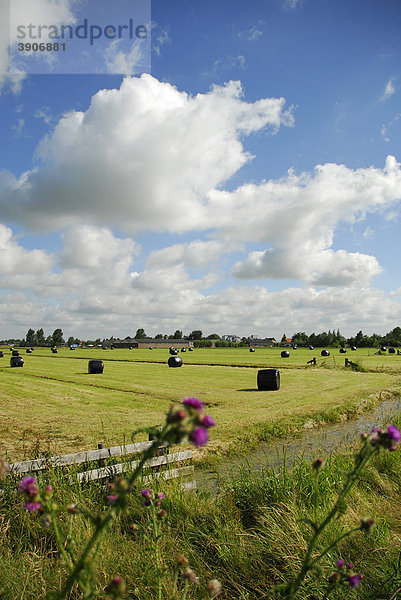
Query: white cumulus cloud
141, 157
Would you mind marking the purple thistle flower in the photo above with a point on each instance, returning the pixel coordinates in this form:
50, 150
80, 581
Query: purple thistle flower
33, 506
161, 495
340, 564
193, 403
26, 482
146, 493
29, 487
355, 580
350, 566
394, 434
199, 436
112, 499
207, 421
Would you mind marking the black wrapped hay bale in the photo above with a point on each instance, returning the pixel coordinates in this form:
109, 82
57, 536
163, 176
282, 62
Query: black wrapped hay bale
342, 351
391, 350
1, 353
311, 347
183, 349
173, 351
54, 350
95, 367
268, 379
325, 353
353, 348
150, 347
175, 361
190, 349
15, 353
294, 346
251, 349
285, 354
383, 348
72, 347
111, 347
28, 351
16, 361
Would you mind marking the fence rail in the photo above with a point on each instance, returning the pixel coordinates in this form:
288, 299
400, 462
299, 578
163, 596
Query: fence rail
161, 464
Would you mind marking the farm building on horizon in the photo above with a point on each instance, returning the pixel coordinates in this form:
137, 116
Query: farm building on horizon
255, 341
129, 342
231, 338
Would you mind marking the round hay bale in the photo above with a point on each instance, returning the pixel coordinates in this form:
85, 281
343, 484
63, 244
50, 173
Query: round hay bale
1, 353
383, 348
183, 349
28, 351
72, 347
342, 351
16, 361
150, 347
285, 354
268, 379
190, 349
130, 347
32, 349
15, 353
111, 347
391, 350
311, 347
173, 351
175, 361
294, 346
325, 353
353, 348
95, 367
251, 349
54, 350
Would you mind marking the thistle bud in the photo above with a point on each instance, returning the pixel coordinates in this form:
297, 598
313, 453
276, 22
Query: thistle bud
214, 587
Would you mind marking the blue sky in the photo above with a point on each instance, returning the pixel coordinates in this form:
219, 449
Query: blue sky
247, 183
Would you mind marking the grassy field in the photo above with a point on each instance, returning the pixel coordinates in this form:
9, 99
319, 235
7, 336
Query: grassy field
262, 357
253, 535
52, 403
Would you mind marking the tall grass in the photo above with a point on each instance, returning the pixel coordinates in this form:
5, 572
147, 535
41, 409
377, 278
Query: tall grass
251, 537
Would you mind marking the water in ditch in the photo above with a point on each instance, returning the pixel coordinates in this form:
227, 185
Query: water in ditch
313, 442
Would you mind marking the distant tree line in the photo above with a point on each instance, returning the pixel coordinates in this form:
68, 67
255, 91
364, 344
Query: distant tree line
38, 338
335, 339
324, 339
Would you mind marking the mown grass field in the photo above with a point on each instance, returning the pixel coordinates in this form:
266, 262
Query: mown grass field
262, 357
52, 403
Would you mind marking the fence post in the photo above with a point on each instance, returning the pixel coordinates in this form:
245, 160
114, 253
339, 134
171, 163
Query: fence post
152, 436
101, 461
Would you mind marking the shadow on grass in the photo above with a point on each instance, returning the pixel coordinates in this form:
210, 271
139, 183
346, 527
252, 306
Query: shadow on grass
250, 390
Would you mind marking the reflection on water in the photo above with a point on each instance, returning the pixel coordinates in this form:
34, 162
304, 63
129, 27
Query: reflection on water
314, 442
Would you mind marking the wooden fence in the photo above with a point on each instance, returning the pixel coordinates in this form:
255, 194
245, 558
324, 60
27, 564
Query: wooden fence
163, 466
